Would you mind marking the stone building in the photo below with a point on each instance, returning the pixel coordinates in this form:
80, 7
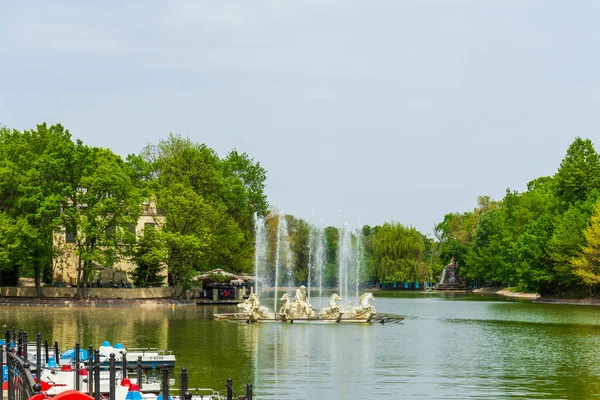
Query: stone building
66, 260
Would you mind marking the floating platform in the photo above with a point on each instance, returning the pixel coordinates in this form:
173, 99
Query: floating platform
243, 318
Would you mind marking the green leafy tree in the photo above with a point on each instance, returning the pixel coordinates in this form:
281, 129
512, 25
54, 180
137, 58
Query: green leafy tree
197, 193
586, 265
149, 254
101, 206
579, 173
567, 240
32, 170
299, 231
398, 253
330, 269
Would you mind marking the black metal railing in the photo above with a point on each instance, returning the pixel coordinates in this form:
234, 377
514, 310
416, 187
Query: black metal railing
21, 385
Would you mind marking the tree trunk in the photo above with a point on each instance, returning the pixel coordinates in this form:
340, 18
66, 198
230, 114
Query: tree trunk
79, 269
38, 285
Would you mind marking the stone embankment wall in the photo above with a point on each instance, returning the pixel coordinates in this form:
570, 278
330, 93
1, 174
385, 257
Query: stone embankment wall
93, 293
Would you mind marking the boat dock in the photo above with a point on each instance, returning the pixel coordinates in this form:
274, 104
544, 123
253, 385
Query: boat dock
32, 371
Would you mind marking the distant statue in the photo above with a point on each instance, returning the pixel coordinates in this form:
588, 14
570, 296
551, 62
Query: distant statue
364, 311
334, 310
450, 273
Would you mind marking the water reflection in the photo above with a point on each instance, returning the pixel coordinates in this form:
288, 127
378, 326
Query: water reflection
460, 347
333, 361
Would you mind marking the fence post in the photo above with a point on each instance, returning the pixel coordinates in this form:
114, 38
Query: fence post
38, 357
184, 382
90, 368
124, 364
229, 389
11, 377
25, 354
165, 382
249, 391
1, 364
56, 353
47, 349
77, 360
139, 372
112, 377
7, 337
97, 374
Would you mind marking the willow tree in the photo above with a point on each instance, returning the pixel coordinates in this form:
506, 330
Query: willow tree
586, 266
398, 254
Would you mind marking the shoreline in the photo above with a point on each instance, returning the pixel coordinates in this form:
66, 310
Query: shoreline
165, 302
507, 293
63, 302
572, 302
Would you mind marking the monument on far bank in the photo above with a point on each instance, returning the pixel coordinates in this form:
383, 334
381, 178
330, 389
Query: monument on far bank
451, 280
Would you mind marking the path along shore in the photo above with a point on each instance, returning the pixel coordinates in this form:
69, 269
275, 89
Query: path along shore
507, 293
62, 302
55, 302
536, 298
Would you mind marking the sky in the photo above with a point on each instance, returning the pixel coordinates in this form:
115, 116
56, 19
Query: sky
360, 111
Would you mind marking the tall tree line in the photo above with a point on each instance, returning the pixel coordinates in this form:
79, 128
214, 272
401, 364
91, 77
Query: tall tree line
543, 239
54, 187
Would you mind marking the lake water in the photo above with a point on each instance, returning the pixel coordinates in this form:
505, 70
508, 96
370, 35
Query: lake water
450, 346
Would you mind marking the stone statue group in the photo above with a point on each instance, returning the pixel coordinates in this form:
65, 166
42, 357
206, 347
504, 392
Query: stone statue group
300, 308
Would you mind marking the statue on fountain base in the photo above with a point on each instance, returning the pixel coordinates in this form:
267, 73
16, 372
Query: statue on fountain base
365, 311
334, 311
252, 307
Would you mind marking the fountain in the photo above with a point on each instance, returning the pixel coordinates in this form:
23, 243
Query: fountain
316, 258
260, 252
274, 259
349, 261
345, 259
359, 260
283, 256
450, 278
299, 310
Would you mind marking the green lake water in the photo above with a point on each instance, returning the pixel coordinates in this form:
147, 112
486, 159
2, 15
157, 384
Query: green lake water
450, 346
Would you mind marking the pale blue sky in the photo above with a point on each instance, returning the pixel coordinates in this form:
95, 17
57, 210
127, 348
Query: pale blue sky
382, 109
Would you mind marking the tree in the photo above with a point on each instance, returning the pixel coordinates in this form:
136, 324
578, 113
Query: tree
579, 173
587, 264
149, 254
330, 269
199, 194
398, 254
299, 232
32, 168
101, 206
567, 240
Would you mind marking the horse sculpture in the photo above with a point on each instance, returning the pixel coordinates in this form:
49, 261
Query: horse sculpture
334, 311
252, 307
286, 307
364, 311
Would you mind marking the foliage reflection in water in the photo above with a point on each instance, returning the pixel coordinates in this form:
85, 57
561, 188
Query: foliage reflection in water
458, 346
